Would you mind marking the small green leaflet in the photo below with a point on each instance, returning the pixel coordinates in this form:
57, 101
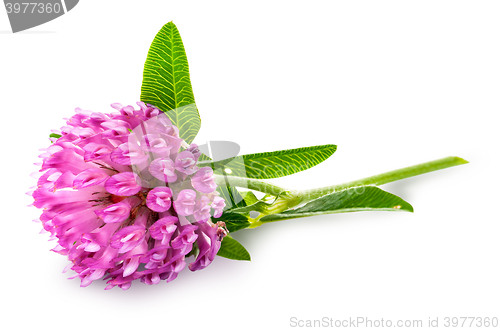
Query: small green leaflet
234, 221
275, 164
364, 198
166, 83
249, 197
232, 249
258, 206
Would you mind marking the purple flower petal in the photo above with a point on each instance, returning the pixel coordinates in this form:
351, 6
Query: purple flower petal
128, 238
95, 151
90, 177
163, 229
193, 148
204, 180
115, 213
209, 241
123, 184
186, 163
218, 205
185, 239
128, 154
202, 209
159, 199
163, 169
185, 202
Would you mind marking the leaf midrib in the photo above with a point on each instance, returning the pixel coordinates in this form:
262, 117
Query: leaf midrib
173, 70
284, 155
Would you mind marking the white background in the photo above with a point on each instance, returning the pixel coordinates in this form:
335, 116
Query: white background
392, 83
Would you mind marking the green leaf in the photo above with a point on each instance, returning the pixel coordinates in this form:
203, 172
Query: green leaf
232, 249
275, 164
364, 198
55, 135
166, 83
234, 221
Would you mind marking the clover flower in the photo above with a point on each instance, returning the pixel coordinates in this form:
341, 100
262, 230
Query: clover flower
125, 199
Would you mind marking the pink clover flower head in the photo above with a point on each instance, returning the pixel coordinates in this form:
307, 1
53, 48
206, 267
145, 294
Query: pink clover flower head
124, 198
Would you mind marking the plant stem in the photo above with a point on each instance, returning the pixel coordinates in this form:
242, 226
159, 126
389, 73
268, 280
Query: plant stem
380, 179
385, 177
253, 184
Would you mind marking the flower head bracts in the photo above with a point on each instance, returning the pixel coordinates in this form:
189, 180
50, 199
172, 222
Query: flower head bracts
118, 191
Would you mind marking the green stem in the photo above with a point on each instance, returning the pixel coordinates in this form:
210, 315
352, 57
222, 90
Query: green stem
253, 184
386, 177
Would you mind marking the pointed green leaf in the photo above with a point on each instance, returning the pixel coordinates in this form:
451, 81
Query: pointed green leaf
55, 135
275, 164
364, 198
232, 249
166, 83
